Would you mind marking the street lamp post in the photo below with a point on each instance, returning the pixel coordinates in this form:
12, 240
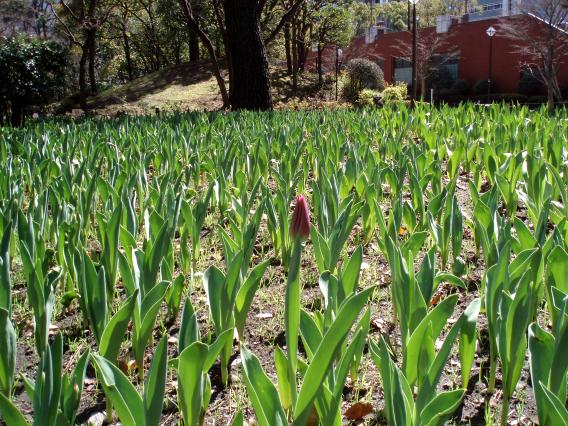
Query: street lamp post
414, 85
408, 16
338, 55
490, 32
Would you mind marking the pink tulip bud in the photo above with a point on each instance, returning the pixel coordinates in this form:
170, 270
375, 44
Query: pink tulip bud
300, 226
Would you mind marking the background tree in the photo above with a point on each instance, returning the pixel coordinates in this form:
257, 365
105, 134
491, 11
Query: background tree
363, 16
428, 61
120, 29
244, 46
394, 14
30, 17
333, 26
193, 25
541, 41
80, 21
429, 10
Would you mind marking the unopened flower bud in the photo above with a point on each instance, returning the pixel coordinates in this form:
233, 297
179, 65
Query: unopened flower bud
300, 225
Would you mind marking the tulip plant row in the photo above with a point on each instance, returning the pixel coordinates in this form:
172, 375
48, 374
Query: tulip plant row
130, 224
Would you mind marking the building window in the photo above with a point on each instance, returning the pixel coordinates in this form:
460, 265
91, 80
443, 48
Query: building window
403, 70
449, 63
493, 6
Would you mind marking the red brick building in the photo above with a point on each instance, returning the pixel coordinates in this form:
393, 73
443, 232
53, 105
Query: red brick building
468, 40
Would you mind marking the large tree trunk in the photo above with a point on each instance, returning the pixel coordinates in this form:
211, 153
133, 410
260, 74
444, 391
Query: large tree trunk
83, 77
193, 46
250, 85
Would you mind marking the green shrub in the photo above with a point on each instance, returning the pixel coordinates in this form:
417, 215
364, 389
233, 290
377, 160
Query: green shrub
460, 87
441, 79
33, 73
480, 88
507, 98
395, 93
537, 99
368, 97
362, 74
529, 85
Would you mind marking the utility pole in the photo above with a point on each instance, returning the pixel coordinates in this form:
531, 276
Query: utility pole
490, 32
414, 77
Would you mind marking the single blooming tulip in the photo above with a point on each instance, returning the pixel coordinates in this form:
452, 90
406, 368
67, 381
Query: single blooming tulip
300, 225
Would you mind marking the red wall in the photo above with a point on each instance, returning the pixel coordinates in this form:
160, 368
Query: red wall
469, 39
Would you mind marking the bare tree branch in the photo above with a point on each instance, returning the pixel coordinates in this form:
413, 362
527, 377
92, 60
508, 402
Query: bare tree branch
285, 18
540, 39
66, 28
431, 54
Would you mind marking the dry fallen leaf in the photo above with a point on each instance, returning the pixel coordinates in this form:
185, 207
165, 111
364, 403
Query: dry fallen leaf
435, 300
377, 324
123, 366
358, 410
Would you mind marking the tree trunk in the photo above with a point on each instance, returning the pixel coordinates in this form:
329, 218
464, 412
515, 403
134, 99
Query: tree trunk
302, 49
549, 97
250, 85
288, 48
320, 66
127, 55
303, 57
294, 58
92, 46
17, 117
221, 25
192, 25
193, 46
83, 78
422, 87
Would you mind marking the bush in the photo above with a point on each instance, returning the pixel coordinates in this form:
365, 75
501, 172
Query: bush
460, 87
441, 79
537, 100
368, 98
508, 98
480, 88
33, 74
362, 74
529, 85
395, 93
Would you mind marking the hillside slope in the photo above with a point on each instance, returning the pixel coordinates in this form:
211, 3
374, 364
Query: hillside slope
186, 87
181, 87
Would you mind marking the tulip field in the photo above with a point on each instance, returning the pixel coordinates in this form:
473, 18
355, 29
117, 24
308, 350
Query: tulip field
388, 266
